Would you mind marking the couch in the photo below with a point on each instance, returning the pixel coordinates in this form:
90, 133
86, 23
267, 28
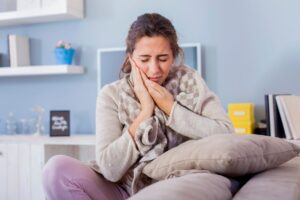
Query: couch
260, 168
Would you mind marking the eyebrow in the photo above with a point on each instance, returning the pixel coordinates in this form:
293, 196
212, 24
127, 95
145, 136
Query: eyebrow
160, 55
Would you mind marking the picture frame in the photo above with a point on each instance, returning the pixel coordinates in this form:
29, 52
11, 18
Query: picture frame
110, 60
59, 123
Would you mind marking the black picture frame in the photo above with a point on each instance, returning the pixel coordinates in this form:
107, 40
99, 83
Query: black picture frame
59, 123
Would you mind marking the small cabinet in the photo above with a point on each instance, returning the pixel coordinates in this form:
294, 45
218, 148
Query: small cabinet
3, 171
20, 165
22, 159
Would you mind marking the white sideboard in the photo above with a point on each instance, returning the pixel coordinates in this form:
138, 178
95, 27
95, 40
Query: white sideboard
23, 157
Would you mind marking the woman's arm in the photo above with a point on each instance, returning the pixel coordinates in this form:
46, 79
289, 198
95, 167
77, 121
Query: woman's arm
207, 118
115, 149
210, 117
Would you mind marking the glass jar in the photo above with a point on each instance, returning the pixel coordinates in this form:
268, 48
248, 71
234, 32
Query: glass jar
11, 124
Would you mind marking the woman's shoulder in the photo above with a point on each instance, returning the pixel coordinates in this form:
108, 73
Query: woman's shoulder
185, 71
186, 74
184, 68
110, 89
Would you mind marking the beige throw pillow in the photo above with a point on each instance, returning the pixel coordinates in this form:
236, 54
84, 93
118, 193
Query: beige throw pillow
225, 154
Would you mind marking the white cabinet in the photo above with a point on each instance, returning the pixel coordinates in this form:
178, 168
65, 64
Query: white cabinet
22, 159
66, 10
3, 171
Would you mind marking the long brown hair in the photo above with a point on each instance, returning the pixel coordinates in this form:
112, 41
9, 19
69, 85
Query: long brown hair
150, 25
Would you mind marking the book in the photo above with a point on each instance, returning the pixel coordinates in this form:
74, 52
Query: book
274, 122
277, 122
286, 128
291, 107
268, 131
270, 115
19, 52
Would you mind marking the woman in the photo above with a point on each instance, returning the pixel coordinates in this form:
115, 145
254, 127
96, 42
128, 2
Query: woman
153, 108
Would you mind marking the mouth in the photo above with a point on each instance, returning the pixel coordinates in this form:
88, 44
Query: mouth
155, 79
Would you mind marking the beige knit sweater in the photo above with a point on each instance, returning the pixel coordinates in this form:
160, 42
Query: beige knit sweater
116, 152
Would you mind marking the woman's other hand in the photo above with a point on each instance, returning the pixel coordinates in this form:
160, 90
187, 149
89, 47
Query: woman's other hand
161, 96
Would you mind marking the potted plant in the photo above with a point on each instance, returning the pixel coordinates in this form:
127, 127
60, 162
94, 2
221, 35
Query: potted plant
64, 52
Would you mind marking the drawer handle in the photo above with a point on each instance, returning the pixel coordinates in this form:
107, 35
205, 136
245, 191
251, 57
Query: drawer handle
1, 153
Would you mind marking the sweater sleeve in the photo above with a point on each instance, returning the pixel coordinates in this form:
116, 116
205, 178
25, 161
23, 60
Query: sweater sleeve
115, 149
209, 118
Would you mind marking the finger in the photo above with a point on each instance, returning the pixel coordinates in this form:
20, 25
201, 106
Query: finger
133, 63
154, 93
130, 60
154, 88
154, 85
144, 77
135, 71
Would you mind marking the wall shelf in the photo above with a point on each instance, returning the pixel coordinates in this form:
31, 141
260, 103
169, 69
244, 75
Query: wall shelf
67, 10
41, 70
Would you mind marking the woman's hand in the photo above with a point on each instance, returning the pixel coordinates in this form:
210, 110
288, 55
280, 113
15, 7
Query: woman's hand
161, 96
145, 99
140, 90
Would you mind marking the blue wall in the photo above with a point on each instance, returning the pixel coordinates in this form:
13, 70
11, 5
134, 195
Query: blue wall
249, 48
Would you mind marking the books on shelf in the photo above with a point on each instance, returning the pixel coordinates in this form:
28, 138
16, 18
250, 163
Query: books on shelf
274, 126
19, 51
290, 107
283, 115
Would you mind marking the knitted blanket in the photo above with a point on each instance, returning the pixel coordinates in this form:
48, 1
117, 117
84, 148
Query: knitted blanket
152, 136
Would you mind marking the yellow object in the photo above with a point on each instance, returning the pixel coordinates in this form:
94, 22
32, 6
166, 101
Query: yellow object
245, 127
242, 117
241, 112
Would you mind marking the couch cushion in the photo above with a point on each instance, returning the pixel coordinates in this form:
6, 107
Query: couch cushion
282, 182
226, 154
200, 186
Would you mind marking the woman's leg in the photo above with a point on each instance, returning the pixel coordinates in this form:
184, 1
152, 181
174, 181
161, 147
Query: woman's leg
67, 178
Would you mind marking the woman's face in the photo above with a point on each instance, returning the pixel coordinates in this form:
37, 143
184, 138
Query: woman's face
153, 55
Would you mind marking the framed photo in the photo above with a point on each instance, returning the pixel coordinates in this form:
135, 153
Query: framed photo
110, 60
60, 123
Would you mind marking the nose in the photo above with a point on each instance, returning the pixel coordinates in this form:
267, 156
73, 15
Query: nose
154, 67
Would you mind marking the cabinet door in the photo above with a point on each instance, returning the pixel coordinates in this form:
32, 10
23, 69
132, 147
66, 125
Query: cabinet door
36, 168
12, 171
21, 171
24, 171
3, 171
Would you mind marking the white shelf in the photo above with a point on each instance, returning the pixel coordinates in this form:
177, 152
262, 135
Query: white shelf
40, 70
32, 139
68, 9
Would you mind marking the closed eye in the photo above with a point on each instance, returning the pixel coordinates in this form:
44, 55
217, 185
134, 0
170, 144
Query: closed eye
163, 60
145, 60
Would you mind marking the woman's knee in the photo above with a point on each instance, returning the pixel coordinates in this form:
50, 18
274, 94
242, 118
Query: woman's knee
55, 169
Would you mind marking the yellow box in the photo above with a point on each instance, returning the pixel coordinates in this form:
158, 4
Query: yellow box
244, 127
241, 112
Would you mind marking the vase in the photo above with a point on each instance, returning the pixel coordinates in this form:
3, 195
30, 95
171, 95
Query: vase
64, 56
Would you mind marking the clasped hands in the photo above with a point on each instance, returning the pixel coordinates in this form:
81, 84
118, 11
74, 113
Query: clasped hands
150, 93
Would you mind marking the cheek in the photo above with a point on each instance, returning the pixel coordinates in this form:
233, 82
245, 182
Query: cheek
144, 68
166, 68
